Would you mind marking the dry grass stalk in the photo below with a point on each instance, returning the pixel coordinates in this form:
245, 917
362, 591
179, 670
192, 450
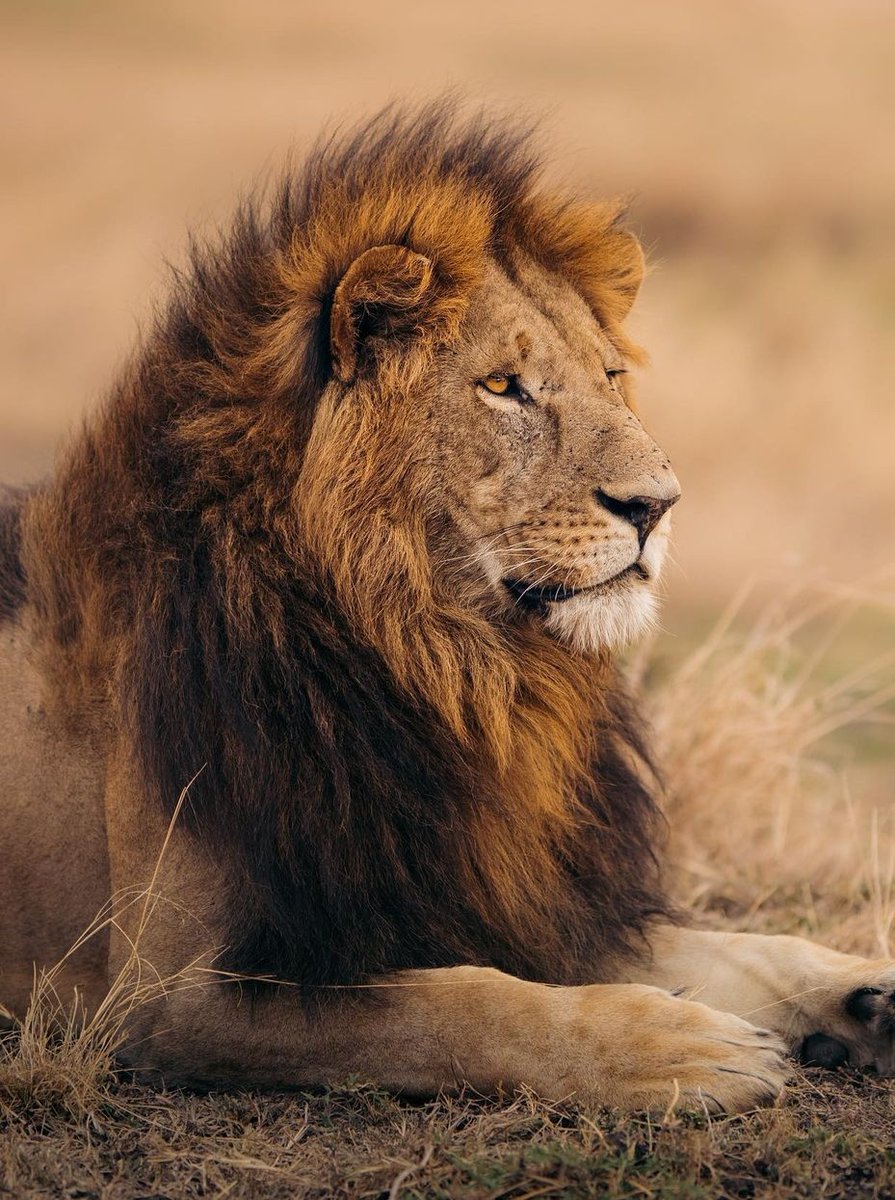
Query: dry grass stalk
61, 1059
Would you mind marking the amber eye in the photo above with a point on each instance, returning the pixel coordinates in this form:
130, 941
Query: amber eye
612, 373
508, 387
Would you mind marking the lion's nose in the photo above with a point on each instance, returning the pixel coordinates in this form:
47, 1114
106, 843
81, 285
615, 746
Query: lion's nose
643, 512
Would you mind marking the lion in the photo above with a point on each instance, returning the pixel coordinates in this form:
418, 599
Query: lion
311, 636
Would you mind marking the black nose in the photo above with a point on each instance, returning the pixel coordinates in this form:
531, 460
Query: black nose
643, 512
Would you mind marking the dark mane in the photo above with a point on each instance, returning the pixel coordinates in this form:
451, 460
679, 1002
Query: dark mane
12, 573
357, 827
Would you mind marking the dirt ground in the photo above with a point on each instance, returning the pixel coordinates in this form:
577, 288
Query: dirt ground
831, 1141
754, 141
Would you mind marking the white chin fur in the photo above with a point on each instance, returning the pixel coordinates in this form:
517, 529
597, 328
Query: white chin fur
591, 623
618, 616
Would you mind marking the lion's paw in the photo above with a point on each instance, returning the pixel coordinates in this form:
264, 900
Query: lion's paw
698, 1058
860, 1030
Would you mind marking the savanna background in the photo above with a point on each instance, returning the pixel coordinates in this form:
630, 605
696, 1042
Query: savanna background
754, 141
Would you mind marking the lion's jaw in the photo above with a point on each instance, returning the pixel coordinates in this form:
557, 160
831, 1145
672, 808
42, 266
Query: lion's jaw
612, 615
559, 494
603, 615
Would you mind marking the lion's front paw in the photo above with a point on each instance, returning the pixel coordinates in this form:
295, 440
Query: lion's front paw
871, 1008
694, 1057
860, 1028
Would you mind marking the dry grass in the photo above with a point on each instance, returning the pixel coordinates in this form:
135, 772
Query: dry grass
773, 821
831, 1140
60, 1059
765, 835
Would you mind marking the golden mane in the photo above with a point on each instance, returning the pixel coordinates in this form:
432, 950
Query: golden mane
237, 562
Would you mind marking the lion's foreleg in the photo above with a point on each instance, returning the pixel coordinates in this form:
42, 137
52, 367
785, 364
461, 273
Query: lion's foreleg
787, 984
422, 1032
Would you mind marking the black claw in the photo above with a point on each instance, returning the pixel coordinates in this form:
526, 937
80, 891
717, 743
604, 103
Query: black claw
862, 1004
818, 1050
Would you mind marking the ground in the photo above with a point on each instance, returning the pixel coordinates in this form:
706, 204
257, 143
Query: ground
831, 1139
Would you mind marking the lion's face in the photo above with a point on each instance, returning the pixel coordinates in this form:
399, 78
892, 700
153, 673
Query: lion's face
559, 496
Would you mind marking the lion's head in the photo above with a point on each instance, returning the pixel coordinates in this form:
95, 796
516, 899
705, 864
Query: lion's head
552, 498
474, 444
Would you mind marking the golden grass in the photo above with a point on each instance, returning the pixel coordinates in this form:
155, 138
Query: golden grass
60, 1058
755, 729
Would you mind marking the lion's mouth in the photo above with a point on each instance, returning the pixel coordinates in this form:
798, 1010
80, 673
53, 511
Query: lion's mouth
537, 597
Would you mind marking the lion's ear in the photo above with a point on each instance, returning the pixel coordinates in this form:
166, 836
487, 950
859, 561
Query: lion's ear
380, 296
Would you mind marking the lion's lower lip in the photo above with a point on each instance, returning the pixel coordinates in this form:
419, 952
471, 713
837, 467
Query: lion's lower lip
527, 595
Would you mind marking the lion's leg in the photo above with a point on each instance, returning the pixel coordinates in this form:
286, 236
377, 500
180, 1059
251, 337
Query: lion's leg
424, 1031
787, 984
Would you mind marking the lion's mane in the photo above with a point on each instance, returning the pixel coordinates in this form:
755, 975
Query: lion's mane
239, 582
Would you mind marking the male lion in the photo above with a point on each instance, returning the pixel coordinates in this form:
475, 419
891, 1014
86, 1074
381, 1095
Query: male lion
347, 551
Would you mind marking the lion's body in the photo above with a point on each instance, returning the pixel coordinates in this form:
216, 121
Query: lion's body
345, 555
54, 875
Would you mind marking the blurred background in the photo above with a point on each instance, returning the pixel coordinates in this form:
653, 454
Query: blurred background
754, 139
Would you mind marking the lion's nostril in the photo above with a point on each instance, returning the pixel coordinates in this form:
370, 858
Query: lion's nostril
638, 512
643, 512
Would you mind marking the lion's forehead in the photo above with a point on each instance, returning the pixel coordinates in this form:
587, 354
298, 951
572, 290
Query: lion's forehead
530, 316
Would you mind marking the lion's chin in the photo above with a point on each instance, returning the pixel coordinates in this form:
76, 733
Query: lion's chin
604, 620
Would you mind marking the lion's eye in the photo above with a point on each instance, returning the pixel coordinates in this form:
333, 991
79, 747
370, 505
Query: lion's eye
613, 372
508, 387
